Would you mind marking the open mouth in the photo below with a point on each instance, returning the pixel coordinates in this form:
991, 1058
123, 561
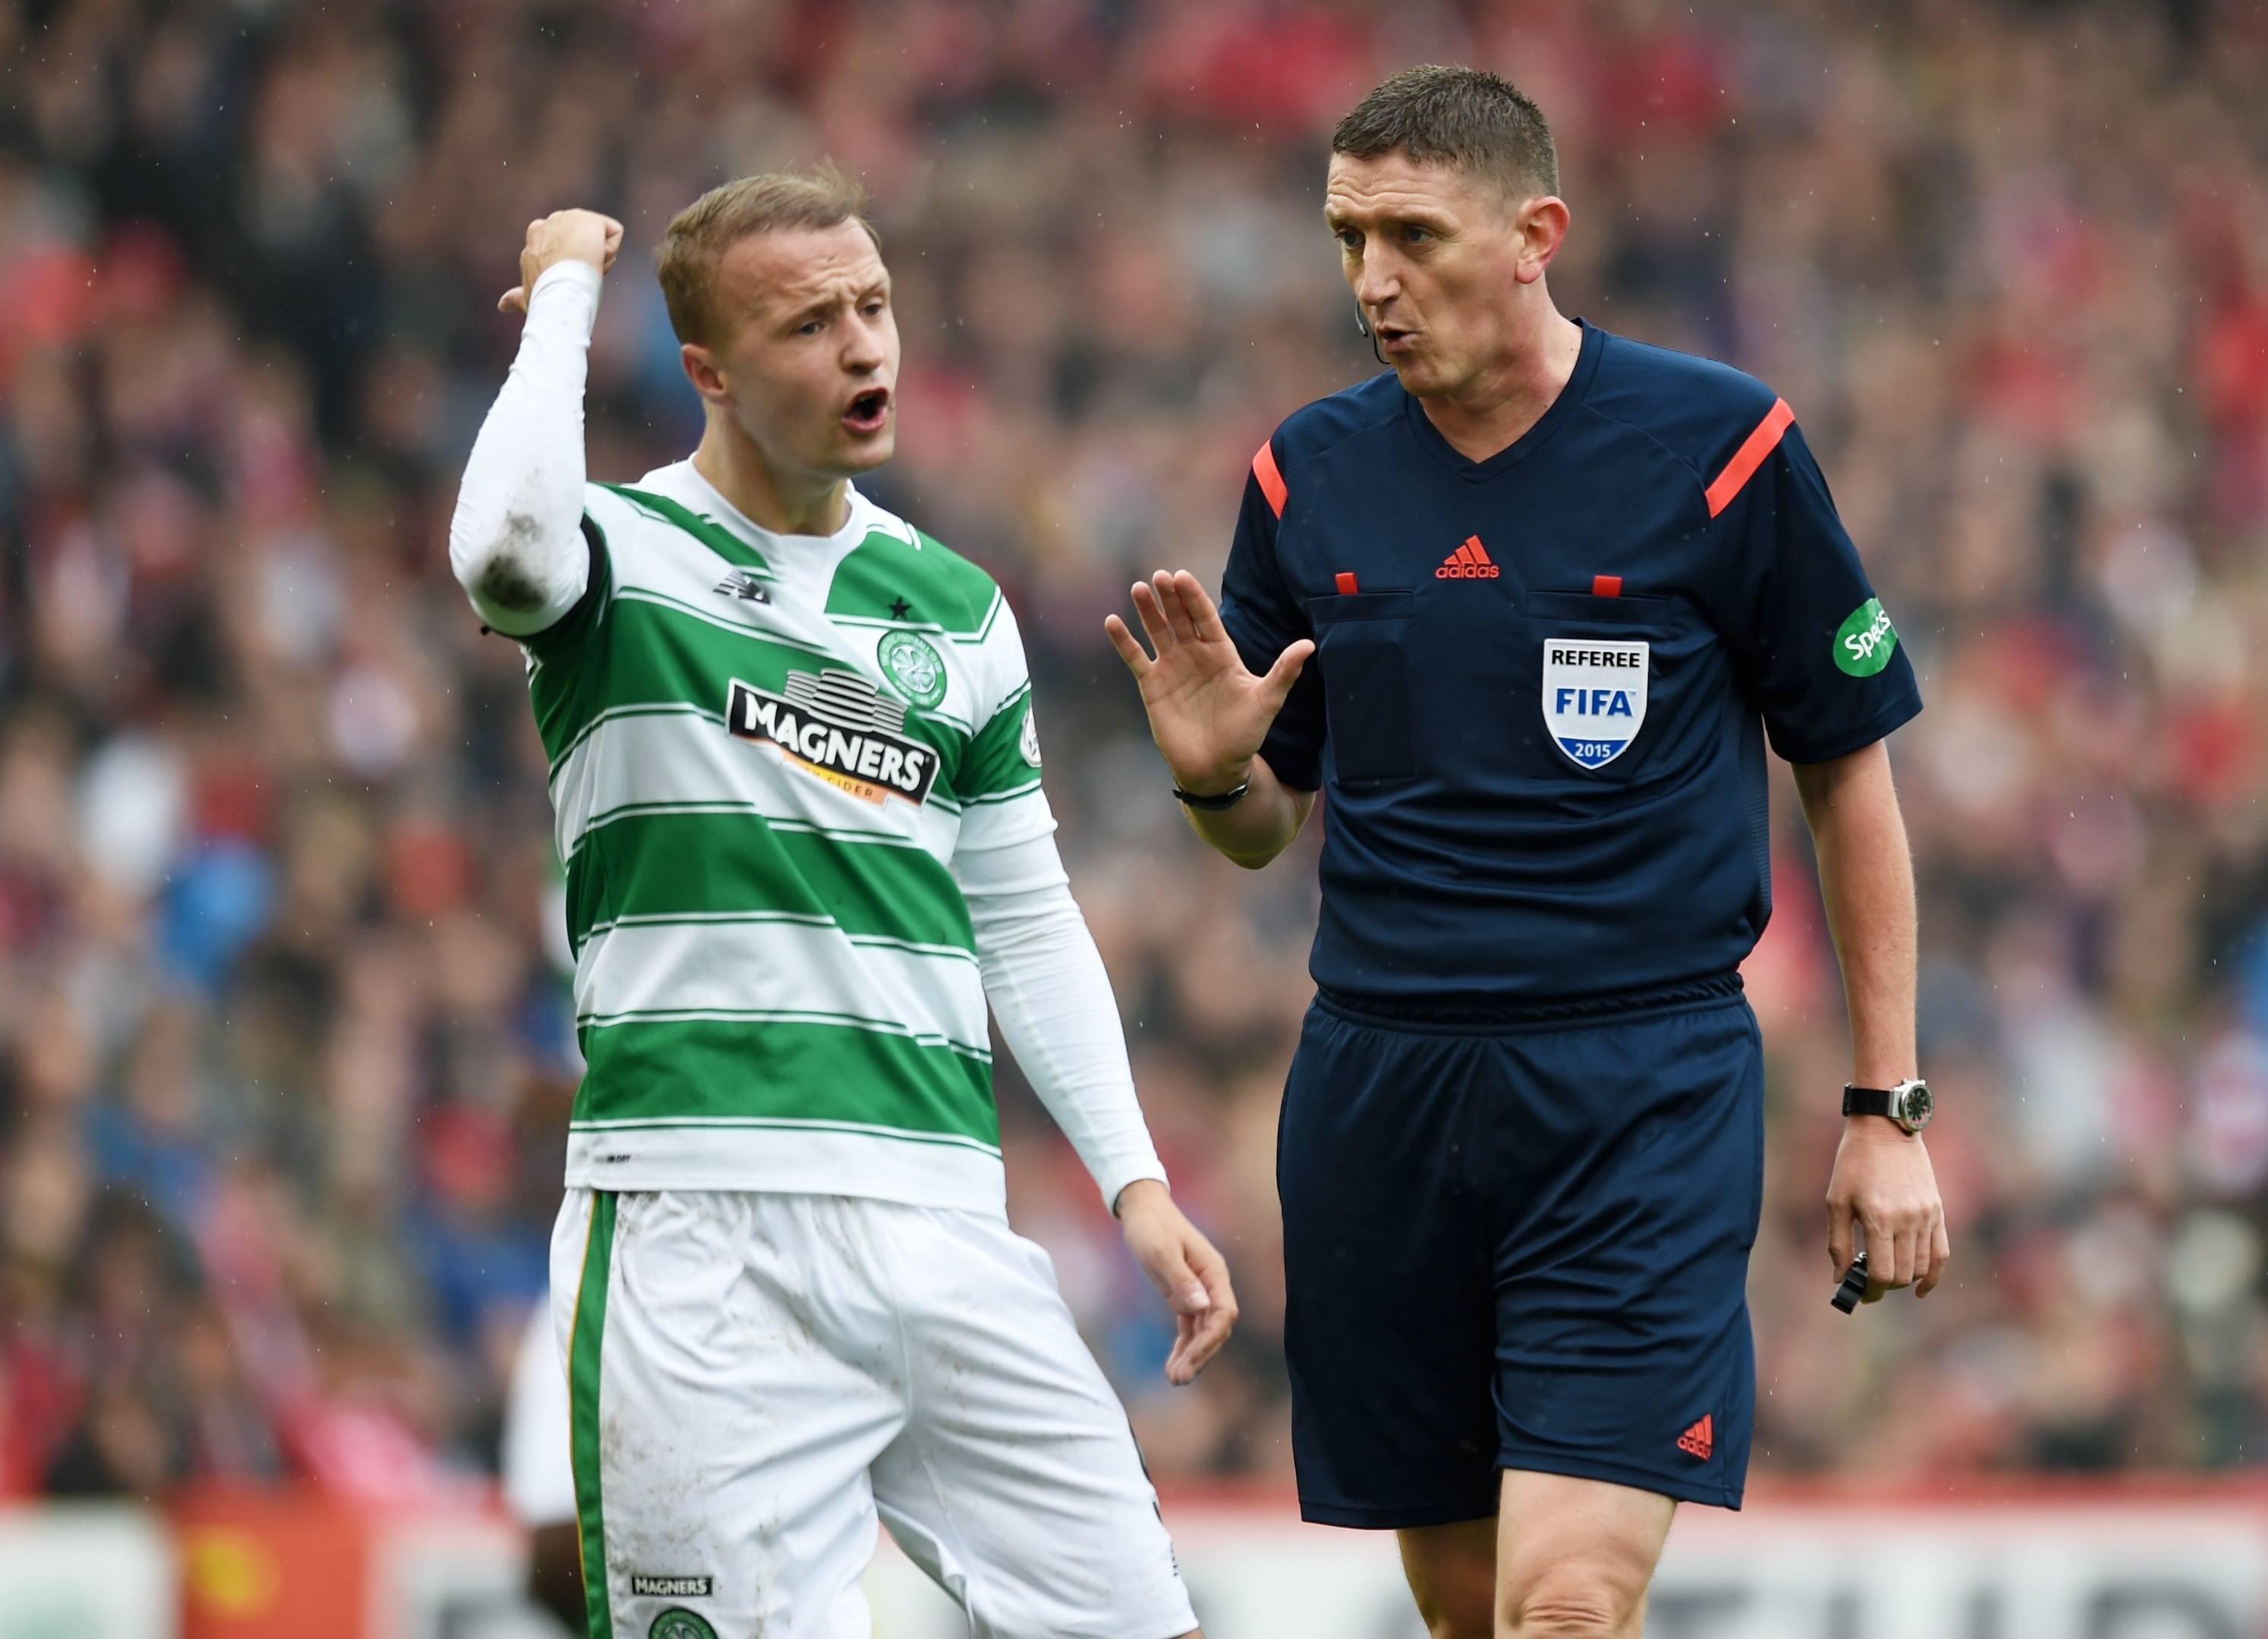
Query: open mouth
1389, 338
868, 411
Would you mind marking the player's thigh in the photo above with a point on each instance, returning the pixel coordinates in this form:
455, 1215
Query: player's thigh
1016, 1483
722, 1423
1574, 1555
1622, 1346
1389, 1329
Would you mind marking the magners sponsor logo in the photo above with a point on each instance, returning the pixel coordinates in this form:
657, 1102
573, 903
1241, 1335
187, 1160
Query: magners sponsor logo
841, 727
649, 1587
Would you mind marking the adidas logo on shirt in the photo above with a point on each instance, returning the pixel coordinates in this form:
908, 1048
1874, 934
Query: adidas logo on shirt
1700, 1439
1470, 561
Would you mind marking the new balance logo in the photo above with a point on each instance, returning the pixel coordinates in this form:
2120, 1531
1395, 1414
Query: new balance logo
1699, 1440
743, 585
1470, 561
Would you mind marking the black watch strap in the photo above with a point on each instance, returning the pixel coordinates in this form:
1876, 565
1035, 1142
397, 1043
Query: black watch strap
1910, 1105
1866, 1101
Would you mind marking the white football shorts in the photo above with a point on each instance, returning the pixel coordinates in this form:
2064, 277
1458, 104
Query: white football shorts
754, 1377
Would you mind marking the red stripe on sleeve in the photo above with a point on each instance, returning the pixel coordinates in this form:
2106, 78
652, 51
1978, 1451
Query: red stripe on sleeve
1271, 482
1747, 458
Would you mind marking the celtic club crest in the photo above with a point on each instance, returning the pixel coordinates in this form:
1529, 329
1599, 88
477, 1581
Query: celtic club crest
915, 669
679, 1623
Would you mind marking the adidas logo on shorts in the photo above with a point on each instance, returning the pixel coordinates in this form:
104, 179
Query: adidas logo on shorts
1700, 1439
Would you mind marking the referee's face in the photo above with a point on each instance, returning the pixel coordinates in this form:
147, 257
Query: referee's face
806, 362
1445, 266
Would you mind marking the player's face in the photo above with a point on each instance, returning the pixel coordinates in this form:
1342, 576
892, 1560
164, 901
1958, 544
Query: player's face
807, 365
1436, 257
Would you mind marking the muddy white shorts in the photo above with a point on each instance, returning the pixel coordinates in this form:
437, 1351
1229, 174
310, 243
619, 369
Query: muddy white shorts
753, 1378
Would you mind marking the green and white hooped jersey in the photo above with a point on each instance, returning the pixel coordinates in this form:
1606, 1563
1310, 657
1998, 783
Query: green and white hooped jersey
764, 753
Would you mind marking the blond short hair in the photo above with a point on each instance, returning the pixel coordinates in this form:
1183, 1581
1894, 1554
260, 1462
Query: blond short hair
700, 234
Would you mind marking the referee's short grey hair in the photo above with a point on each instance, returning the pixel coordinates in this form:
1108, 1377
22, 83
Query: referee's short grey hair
1479, 122
700, 234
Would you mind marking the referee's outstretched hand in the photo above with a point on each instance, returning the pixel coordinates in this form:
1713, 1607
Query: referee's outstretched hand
1207, 712
1186, 1268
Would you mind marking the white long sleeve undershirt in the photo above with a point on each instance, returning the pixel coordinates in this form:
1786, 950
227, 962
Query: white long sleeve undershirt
516, 538
517, 547
1047, 986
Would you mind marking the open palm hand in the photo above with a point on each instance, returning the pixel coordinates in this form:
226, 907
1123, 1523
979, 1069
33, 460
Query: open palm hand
1208, 713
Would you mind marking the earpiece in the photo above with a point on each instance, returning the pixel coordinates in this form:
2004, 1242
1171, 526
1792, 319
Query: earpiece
1362, 329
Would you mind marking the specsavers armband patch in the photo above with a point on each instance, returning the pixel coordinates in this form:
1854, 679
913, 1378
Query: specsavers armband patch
1866, 641
1593, 696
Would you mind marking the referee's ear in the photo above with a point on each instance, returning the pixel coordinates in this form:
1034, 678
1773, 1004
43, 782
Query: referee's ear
1541, 224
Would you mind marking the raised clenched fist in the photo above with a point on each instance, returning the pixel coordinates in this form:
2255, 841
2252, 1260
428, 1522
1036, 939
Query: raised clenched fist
563, 236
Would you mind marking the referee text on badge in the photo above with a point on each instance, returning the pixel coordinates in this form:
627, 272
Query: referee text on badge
1593, 696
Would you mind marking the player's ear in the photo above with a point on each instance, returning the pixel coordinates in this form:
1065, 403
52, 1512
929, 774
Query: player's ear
702, 370
1542, 227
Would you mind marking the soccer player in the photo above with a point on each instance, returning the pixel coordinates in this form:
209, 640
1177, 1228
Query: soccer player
798, 789
1527, 608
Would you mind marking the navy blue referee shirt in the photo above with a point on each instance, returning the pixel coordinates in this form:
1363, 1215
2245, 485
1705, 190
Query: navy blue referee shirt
1543, 681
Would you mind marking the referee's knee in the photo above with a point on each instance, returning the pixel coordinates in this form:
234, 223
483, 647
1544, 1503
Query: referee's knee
1574, 1600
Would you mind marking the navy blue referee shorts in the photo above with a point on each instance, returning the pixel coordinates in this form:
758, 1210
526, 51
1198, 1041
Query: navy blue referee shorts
1524, 1248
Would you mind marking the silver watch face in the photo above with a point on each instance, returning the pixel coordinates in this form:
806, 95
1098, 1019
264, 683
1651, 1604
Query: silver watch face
1911, 1106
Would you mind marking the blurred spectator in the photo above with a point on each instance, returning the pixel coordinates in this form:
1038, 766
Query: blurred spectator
285, 1045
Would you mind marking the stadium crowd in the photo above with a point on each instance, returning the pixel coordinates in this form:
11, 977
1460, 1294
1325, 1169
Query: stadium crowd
285, 1044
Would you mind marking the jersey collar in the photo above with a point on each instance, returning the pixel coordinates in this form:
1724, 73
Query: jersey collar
1570, 400
683, 482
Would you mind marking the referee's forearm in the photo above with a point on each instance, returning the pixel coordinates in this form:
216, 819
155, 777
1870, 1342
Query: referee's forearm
1261, 826
1866, 880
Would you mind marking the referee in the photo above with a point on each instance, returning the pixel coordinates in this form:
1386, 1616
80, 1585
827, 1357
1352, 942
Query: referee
1527, 608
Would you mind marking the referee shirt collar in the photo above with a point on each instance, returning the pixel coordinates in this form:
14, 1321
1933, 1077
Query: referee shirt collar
1570, 398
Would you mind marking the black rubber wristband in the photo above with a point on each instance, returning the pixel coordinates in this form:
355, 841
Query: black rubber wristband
1866, 1101
1211, 805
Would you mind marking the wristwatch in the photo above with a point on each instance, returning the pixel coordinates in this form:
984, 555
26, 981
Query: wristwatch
1908, 1104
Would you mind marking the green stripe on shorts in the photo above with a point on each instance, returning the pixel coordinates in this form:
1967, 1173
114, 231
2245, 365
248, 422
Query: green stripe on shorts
590, 1330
